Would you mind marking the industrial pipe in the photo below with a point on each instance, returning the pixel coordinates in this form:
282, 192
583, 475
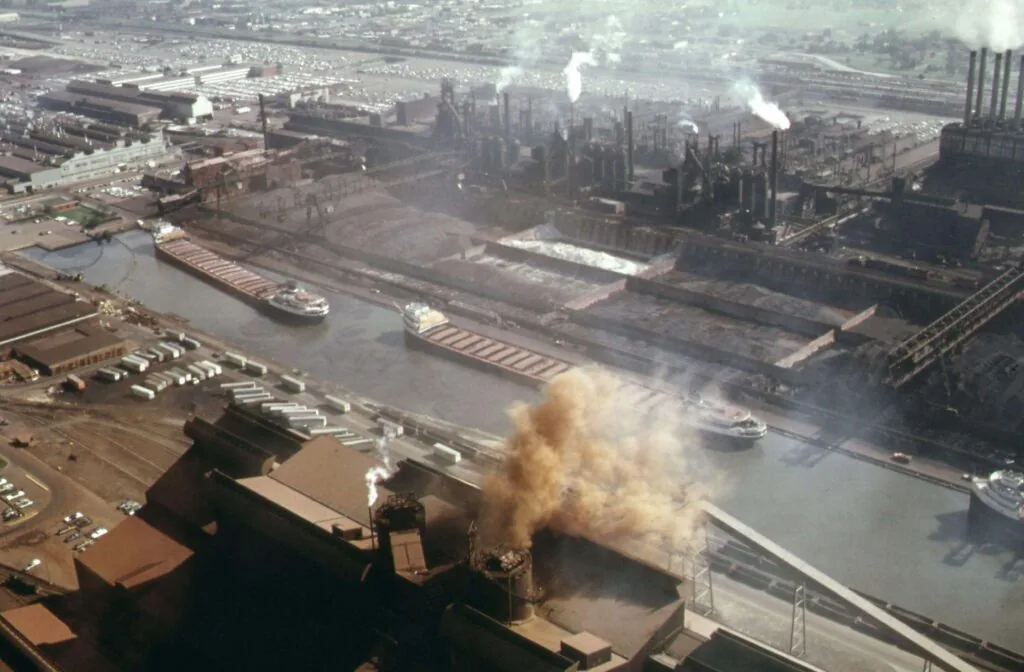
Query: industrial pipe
979, 97
1007, 62
629, 147
508, 120
995, 88
1020, 95
775, 180
968, 107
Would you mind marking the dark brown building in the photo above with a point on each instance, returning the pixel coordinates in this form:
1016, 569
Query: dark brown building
64, 351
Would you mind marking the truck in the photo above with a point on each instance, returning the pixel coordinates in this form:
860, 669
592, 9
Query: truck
74, 383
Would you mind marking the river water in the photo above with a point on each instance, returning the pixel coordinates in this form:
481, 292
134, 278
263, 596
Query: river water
875, 530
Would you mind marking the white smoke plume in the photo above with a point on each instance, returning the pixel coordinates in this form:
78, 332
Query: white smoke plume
573, 74
688, 125
374, 476
751, 96
586, 462
506, 76
996, 24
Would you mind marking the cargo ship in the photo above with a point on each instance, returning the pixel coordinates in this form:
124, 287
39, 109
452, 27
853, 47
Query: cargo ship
431, 330
288, 301
997, 507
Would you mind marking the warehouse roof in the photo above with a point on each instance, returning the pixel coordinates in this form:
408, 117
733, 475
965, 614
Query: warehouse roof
38, 625
62, 346
332, 474
43, 309
100, 103
12, 165
134, 553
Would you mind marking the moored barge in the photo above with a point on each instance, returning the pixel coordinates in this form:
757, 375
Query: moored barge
431, 330
287, 301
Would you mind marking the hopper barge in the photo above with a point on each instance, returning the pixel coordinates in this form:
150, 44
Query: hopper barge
431, 330
288, 301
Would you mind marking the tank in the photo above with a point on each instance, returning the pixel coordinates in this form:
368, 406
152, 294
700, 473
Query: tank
502, 585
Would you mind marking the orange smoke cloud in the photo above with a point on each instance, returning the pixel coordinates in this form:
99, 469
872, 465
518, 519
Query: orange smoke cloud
586, 462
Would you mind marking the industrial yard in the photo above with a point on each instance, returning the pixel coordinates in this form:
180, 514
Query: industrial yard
612, 338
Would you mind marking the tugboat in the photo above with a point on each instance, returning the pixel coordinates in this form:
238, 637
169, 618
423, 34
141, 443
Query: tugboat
293, 302
997, 506
738, 426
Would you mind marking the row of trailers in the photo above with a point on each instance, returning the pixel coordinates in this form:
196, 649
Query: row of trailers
295, 415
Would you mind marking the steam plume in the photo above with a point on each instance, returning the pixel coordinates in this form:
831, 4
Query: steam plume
755, 101
582, 461
688, 125
573, 76
997, 24
374, 476
506, 76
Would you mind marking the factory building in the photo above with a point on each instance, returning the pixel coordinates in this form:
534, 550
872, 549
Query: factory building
227, 73
65, 351
168, 83
131, 115
175, 105
258, 529
133, 78
24, 175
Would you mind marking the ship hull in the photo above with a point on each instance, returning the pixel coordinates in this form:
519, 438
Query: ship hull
425, 343
420, 342
290, 317
987, 524
252, 289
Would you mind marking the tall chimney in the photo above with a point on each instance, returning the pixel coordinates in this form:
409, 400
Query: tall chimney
1007, 62
1020, 96
629, 147
968, 108
980, 96
995, 88
508, 120
775, 180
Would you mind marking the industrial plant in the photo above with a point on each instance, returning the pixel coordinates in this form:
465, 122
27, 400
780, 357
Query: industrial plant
451, 337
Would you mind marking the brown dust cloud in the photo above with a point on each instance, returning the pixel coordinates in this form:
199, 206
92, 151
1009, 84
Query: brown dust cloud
584, 461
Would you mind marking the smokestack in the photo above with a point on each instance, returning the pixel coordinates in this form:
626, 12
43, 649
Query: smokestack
995, 88
1020, 95
1007, 62
968, 107
775, 180
263, 120
508, 120
588, 129
629, 147
980, 96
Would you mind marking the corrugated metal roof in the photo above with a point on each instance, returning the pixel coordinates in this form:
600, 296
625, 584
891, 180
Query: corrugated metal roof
333, 475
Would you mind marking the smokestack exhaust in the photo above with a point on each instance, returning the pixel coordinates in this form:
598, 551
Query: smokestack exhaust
1020, 95
995, 88
629, 147
775, 180
1005, 92
980, 95
969, 107
508, 120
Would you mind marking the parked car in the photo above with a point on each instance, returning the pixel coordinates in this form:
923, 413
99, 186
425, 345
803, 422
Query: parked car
70, 520
71, 537
84, 545
84, 521
24, 503
97, 533
6, 487
32, 564
10, 497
